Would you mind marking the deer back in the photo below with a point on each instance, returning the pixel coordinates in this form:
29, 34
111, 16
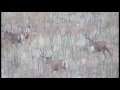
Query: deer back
99, 45
57, 65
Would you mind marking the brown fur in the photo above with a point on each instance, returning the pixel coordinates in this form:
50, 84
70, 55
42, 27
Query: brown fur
55, 65
99, 46
13, 37
58, 65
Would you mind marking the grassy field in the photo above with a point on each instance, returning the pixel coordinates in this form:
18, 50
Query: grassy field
65, 32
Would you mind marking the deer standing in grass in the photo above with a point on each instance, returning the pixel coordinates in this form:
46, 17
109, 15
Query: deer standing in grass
54, 65
26, 30
13, 37
17, 37
99, 46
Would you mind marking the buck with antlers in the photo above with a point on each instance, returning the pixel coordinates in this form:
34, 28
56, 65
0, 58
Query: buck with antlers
98, 45
26, 30
54, 65
13, 37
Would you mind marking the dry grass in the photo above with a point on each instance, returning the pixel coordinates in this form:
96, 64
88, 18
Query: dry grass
65, 32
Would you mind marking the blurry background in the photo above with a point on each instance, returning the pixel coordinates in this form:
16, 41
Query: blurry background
65, 32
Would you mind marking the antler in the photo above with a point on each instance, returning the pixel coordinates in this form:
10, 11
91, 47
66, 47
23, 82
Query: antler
95, 36
42, 53
18, 23
3, 28
52, 51
29, 22
87, 37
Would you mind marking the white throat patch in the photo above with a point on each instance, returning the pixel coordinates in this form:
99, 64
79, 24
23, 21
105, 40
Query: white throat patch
22, 36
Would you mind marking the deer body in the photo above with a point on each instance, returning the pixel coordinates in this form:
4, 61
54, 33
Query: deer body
13, 37
99, 46
58, 65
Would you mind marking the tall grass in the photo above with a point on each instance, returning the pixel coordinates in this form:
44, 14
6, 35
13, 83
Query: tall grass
65, 32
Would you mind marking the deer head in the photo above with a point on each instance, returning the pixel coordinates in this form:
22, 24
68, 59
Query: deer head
25, 30
91, 41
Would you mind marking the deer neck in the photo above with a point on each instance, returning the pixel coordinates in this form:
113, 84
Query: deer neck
92, 47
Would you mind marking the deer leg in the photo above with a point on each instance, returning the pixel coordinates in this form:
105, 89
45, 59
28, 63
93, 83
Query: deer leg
68, 74
104, 53
66, 70
109, 51
58, 73
48, 70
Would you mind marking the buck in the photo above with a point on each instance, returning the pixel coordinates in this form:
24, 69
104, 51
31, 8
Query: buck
26, 30
99, 45
16, 37
54, 65
13, 37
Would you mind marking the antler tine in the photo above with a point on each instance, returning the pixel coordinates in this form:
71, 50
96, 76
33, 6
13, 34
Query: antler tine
17, 22
52, 50
87, 37
11, 25
42, 53
95, 35
2, 27
29, 22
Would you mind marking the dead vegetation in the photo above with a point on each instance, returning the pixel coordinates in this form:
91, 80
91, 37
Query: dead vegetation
70, 55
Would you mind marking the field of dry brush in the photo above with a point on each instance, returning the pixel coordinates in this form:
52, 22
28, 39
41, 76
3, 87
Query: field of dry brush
64, 31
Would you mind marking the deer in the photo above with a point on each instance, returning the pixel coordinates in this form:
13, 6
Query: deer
98, 46
13, 37
26, 30
54, 65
